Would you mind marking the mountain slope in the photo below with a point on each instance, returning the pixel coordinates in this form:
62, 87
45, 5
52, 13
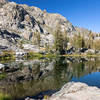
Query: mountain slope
31, 23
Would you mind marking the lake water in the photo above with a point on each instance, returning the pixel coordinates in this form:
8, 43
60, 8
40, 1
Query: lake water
39, 77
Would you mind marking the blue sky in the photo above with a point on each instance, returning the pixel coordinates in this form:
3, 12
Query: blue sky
81, 13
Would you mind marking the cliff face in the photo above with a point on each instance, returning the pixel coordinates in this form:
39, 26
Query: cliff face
30, 23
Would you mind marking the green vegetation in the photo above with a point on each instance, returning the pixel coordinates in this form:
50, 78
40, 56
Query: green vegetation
81, 55
3, 75
86, 41
5, 97
96, 44
61, 40
78, 41
32, 55
7, 55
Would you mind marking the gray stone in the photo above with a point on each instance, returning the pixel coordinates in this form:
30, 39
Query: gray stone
76, 91
29, 98
1, 66
30, 47
29, 23
24, 26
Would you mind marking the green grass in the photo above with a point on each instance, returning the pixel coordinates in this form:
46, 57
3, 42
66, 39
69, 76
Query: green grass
3, 75
50, 56
5, 97
79, 55
32, 55
7, 55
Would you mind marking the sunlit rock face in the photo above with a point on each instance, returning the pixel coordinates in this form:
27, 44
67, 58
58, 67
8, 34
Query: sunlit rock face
34, 26
31, 23
77, 91
3, 1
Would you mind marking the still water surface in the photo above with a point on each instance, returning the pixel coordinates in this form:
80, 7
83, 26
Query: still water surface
39, 77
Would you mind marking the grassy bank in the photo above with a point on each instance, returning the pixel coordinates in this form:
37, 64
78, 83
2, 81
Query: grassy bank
5, 97
32, 55
80, 55
6, 56
3, 75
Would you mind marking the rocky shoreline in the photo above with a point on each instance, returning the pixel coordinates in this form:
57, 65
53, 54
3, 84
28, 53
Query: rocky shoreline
29, 32
75, 91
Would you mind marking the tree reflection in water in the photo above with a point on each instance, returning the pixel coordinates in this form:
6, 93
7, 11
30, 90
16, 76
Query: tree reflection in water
48, 75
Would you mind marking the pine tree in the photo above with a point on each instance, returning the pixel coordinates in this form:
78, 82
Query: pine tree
60, 41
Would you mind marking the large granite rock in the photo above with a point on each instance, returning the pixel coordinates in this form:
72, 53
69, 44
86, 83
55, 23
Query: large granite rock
21, 24
3, 1
30, 23
77, 91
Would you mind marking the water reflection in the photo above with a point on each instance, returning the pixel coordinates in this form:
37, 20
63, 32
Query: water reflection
39, 77
92, 79
60, 71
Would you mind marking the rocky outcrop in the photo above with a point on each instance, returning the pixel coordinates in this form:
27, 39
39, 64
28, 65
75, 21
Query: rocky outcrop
29, 23
2, 2
21, 25
77, 91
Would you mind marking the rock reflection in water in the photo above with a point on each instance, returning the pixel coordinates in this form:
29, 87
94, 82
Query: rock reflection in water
29, 78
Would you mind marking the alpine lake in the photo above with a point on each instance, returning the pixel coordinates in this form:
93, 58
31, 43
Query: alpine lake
40, 77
